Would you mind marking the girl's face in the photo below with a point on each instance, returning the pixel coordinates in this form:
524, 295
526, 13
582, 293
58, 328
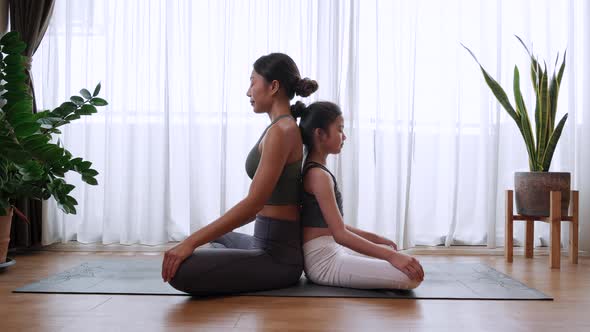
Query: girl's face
260, 93
334, 140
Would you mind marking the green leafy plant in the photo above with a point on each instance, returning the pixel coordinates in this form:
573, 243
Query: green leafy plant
541, 146
31, 166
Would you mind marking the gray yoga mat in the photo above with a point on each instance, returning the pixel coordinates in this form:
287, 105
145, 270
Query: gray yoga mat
142, 276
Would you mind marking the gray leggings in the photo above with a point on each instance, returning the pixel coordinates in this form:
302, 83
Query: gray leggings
270, 259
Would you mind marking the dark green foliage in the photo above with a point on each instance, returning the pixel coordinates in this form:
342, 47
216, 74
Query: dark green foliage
31, 166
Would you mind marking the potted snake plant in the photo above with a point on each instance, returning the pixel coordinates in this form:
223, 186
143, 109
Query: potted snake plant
532, 188
31, 165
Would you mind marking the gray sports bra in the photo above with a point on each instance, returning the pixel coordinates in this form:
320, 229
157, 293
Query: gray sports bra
311, 214
287, 189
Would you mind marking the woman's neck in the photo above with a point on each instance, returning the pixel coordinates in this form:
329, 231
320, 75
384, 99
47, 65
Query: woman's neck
279, 108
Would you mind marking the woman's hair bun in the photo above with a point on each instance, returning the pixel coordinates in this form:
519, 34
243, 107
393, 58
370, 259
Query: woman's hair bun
298, 110
306, 87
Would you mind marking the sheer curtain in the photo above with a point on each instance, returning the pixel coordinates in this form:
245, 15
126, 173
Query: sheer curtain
429, 153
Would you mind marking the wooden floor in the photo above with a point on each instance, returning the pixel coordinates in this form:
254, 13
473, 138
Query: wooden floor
570, 311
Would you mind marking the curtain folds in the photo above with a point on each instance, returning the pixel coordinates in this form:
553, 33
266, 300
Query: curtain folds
429, 153
30, 18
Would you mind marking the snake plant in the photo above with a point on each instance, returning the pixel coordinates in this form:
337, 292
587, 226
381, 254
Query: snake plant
540, 147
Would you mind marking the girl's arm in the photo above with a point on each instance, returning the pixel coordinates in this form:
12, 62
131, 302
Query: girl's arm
320, 184
274, 157
377, 239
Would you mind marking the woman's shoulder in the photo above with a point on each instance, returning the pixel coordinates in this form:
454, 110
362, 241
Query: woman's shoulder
283, 133
285, 127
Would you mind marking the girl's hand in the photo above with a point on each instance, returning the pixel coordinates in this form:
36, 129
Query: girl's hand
385, 241
408, 265
173, 258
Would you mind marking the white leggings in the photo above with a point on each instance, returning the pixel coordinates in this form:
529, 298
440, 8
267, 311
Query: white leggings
328, 263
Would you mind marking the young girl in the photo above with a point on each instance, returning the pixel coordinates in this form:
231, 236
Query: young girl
272, 258
336, 254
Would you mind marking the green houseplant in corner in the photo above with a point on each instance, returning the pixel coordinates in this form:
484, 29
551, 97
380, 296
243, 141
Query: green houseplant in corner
532, 188
31, 166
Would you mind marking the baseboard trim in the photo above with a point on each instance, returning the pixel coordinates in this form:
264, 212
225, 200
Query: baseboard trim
74, 246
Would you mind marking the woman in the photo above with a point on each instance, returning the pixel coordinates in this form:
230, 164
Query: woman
271, 258
336, 254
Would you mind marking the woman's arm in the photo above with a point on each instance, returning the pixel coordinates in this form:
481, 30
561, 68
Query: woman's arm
274, 157
272, 161
320, 184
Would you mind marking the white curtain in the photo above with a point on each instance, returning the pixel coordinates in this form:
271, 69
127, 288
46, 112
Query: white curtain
429, 153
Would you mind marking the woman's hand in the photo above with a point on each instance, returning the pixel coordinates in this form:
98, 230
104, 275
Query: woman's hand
408, 265
173, 258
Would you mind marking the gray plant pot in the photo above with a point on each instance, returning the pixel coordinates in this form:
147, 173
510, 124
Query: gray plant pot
532, 190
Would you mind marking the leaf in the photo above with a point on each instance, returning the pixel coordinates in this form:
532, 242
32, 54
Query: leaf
72, 117
18, 118
13, 97
534, 66
26, 129
525, 126
68, 188
16, 156
96, 90
98, 102
86, 94
90, 172
542, 114
497, 90
50, 120
15, 48
49, 152
71, 200
84, 165
561, 69
15, 61
16, 86
10, 37
86, 109
67, 208
22, 106
7, 143
90, 180
553, 97
548, 153
68, 105
77, 100
34, 142
42, 114
60, 112
15, 77
31, 171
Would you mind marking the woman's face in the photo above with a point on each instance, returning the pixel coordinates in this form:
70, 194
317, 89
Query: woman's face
334, 141
260, 93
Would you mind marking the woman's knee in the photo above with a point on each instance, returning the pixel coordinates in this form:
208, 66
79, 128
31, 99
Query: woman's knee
290, 275
179, 282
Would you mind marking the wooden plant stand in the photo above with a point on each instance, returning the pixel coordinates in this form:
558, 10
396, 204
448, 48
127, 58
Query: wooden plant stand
554, 219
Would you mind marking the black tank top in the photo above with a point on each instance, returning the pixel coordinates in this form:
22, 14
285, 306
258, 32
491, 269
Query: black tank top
311, 214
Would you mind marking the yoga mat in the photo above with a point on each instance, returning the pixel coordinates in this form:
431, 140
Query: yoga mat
142, 276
